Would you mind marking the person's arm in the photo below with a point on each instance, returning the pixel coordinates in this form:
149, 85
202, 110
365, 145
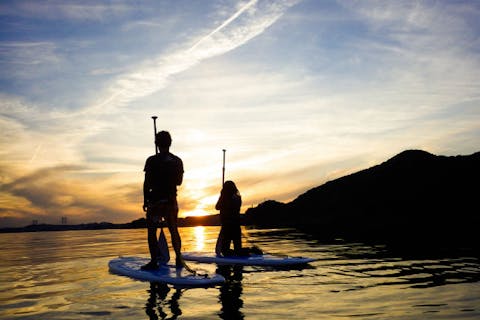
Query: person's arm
238, 203
146, 191
180, 172
219, 204
146, 187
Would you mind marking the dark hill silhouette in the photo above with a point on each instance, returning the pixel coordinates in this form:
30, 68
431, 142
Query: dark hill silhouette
414, 194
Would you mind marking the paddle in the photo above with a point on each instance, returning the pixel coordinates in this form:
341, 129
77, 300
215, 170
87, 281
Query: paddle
218, 249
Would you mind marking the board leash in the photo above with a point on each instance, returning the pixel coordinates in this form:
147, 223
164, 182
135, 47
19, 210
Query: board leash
192, 271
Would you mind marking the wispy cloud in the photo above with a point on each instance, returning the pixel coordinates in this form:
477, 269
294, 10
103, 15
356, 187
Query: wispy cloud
27, 52
60, 10
153, 75
52, 192
150, 76
26, 59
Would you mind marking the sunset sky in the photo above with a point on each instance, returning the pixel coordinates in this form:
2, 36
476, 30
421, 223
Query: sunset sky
297, 92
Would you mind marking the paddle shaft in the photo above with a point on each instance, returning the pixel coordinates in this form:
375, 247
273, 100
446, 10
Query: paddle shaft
223, 167
155, 132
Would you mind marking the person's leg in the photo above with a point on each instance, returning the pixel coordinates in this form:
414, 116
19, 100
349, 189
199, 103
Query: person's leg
218, 245
226, 239
152, 239
153, 243
237, 239
171, 218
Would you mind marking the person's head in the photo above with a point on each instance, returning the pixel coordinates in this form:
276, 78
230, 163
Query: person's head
229, 188
163, 140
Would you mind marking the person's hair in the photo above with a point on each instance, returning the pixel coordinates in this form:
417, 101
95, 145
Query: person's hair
163, 139
229, 188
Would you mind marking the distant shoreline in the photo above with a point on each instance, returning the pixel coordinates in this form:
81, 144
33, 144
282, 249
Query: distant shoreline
211, 220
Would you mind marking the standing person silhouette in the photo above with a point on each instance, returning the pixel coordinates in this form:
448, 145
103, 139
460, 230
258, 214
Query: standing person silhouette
229, 205
163, 173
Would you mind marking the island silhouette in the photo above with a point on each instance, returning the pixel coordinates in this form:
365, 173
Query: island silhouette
414, 196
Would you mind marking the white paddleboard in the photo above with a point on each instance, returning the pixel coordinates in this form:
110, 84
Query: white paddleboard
130, 267
252, 260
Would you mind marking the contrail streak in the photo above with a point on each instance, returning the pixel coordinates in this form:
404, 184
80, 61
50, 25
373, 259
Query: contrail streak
225, 23
35, 153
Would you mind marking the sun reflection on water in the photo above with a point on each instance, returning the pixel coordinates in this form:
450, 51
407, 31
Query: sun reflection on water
199, 238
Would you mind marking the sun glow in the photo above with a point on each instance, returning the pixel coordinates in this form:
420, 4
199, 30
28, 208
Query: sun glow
204, 207
195, 213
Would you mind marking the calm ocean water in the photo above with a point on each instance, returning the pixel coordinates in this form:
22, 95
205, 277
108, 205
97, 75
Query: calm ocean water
64, 275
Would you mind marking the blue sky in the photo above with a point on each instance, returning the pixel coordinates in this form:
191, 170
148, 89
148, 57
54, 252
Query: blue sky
298, 92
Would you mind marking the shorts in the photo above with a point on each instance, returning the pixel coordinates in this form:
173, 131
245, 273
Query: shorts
161, 212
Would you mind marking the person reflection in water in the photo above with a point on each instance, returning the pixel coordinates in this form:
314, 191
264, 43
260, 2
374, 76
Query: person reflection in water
157, 299
231, 292
163, 173
229, 204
